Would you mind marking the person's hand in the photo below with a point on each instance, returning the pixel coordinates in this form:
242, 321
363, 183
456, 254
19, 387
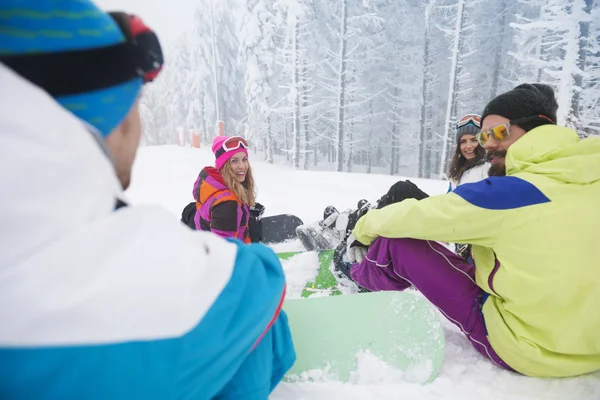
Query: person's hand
355, 250
257, 210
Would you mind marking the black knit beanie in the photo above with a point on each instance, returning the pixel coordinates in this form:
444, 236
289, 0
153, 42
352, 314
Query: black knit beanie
526, 100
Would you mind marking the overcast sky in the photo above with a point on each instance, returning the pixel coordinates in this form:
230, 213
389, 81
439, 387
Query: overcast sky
167, 17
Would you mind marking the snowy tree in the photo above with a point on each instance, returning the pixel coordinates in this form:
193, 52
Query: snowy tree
291, 62
457, 49
399, 80
464, 81
425, 85
314, 43
149, 136
498, 69
434, 86
369, 85
341, 72
560, 54
193, 77
589, 100
342, 78
258, 48
587, 45
169, 104
215, 46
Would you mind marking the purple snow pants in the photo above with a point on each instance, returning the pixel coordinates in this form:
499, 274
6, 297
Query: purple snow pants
446, 279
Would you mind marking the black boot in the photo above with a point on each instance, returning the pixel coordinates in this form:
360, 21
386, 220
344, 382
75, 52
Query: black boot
330, 215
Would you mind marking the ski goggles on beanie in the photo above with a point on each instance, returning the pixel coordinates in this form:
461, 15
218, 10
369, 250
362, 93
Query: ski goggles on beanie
232, 143
502, 132
91, 62
469, 119
225, 147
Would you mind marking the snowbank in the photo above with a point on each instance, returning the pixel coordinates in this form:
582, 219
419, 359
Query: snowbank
166, 174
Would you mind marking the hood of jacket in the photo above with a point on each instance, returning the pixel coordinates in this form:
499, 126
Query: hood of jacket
209, 183
73, 269
555, 152
54, 177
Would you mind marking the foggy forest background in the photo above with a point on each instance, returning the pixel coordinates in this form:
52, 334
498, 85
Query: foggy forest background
370, 86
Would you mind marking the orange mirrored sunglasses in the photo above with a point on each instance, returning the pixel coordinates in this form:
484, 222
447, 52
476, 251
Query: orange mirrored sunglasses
502, 132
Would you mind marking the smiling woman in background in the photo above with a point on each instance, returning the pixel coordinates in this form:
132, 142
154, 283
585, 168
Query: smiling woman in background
224, 193
469, 162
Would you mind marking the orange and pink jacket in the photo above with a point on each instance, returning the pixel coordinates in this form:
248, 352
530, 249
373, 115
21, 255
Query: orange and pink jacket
218, 209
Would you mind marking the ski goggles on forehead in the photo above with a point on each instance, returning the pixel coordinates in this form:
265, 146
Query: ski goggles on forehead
234, 143
231, 144
471, 119
502, 132
87, 70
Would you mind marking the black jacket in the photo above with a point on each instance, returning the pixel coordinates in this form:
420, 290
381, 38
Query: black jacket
254, 223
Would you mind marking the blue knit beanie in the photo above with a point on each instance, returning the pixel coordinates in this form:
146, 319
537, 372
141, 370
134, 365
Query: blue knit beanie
42, 26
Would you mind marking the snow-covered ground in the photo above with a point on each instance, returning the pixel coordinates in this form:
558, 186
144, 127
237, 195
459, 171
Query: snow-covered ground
166, 174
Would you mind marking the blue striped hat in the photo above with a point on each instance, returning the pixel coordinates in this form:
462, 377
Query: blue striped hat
42, 27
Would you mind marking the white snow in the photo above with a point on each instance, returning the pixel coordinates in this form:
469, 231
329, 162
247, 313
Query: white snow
166, 174
300, 269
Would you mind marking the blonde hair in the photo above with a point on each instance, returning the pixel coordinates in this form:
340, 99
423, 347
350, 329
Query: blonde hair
245, 191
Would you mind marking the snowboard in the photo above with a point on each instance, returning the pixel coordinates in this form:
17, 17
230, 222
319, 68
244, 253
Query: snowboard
279, 228
325, 282
401, 329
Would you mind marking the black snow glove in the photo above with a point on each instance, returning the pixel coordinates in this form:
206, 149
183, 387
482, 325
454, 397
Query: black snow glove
257, 210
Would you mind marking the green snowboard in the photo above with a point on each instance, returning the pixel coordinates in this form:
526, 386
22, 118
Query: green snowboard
325, 281
399, 328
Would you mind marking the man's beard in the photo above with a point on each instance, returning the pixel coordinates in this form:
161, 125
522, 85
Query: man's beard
497, 169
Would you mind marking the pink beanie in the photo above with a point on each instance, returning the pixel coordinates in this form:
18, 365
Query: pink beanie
235, 145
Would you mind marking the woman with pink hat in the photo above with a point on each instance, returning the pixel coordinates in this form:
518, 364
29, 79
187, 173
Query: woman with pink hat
224, 193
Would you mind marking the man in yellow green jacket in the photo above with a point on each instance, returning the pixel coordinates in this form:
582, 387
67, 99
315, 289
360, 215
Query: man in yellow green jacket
531, 301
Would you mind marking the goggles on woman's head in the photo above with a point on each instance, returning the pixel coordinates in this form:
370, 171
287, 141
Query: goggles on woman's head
232, 143
472, 119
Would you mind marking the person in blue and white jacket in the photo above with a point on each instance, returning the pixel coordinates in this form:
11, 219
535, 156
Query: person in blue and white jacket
98, 299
